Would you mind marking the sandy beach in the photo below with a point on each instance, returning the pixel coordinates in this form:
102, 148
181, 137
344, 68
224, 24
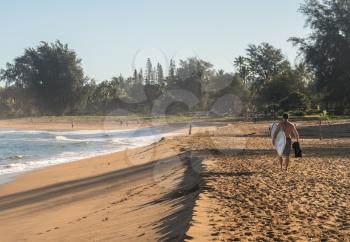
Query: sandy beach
56, 123
98, 123
218, 184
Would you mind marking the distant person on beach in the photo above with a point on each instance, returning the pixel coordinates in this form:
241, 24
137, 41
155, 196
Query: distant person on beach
291, 132
255, 117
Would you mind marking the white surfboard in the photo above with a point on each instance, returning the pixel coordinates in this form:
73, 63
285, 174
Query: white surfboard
280, 141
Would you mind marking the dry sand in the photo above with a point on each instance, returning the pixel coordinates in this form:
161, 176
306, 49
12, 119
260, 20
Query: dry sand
247, 198
217, 185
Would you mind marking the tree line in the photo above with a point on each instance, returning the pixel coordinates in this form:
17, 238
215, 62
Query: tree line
49, 79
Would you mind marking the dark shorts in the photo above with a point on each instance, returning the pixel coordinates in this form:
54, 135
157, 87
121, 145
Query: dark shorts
288, 147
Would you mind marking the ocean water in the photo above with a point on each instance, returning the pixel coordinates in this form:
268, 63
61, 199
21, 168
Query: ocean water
22, 151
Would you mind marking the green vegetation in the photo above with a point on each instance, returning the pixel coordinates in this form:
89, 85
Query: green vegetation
49, 79
327, 52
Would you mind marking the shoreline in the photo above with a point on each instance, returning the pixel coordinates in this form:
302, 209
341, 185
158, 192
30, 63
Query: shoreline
166, 131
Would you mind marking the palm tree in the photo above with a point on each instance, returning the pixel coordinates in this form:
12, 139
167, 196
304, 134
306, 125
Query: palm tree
241, 65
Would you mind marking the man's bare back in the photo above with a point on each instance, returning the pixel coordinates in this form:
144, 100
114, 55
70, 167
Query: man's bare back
289, 129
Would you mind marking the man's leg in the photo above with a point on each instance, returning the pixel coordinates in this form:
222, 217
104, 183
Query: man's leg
287, 150
281, 162
287, 162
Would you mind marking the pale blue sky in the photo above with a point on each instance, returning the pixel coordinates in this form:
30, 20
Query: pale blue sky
113, 37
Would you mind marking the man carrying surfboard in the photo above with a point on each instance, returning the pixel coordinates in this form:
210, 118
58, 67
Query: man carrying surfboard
290, 132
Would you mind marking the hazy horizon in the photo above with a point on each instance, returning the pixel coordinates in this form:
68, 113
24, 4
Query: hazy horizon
114, 38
